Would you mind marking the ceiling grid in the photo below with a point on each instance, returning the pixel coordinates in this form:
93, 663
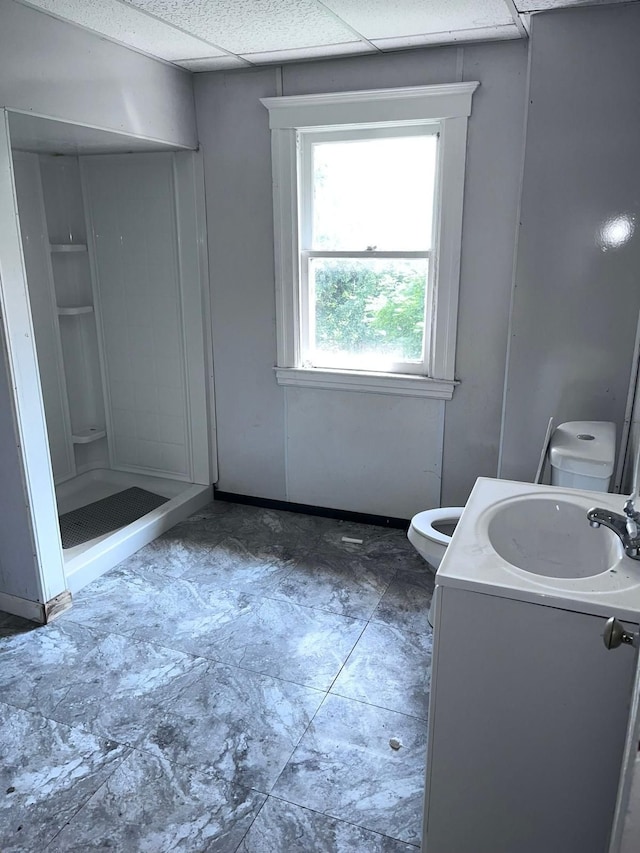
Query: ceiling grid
212, 35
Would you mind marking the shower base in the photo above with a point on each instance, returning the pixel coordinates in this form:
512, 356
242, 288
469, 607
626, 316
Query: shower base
86, 562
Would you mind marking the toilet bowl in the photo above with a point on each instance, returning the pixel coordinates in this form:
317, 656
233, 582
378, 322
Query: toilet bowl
430, 532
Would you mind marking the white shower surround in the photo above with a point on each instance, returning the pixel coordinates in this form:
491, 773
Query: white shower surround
187, 484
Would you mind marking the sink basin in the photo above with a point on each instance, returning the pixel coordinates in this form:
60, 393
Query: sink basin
532, 542
551, 537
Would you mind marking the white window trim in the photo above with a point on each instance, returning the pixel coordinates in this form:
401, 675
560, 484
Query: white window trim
450, 106
402, 384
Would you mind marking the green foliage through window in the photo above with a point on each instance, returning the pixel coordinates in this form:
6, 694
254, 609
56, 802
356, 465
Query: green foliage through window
370, 305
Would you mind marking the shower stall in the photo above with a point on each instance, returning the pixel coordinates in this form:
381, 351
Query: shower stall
106, 348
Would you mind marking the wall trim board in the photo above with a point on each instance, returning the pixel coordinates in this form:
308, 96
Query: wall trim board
32, 443
115, 139
57, 606
514, 266
308, 509
35, 611
16, 606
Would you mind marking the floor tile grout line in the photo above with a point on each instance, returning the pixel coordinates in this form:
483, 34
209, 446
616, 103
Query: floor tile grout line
321, 609
330, 690
90, 797
138, 747
310, 723
255, 818
341, 820
346, 660
380, 707
131, 749
80, 727
255, 595
327, 694
202, 657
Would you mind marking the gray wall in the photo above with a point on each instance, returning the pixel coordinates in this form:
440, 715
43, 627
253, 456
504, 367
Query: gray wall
576, 301
298, 445
57, 70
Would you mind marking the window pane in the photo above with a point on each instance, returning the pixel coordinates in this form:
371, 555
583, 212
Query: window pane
374, 193
366, 313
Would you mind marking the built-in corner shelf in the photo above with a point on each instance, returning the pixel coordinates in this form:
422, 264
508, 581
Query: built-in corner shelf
87, 435
74, 310
66, 248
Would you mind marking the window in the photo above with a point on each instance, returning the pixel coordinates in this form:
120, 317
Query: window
368, 209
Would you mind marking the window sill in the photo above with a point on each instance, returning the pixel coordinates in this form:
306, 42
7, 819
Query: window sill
399, 384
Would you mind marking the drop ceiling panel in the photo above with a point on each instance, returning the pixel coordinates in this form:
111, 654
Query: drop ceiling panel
480, 34
129, 26
541, 5
378, 19
252, 26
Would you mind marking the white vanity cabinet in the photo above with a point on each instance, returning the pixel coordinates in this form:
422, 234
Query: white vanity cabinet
527, 726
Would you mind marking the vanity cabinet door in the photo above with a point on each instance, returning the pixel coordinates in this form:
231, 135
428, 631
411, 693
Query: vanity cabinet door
527, 727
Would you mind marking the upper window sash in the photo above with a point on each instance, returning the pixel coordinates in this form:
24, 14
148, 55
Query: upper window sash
305, 142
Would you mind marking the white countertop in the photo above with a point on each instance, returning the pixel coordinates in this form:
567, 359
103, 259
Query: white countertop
471, 562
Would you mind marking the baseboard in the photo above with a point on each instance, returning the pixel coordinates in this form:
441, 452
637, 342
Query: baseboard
307, 509
35, 611
57, 605
16, 606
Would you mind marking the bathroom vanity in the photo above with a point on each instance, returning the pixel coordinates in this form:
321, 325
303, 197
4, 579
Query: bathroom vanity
529, 710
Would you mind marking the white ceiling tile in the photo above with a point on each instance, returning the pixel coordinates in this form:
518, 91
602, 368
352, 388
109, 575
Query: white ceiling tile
213, 63
326, 50
250, 26
381, 19
451, 37
123, 23
541, 5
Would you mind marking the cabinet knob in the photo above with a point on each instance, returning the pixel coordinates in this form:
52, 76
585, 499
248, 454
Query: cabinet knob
616, 635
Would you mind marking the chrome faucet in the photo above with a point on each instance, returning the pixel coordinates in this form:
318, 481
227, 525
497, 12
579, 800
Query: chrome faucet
626, 526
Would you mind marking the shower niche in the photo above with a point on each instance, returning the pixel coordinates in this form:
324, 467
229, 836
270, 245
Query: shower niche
63, 306
112, 237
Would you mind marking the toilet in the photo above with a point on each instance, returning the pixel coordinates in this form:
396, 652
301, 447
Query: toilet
430, 532
582, 456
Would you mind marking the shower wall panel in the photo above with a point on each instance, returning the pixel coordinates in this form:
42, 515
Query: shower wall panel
73, 291
35, 246
131, 206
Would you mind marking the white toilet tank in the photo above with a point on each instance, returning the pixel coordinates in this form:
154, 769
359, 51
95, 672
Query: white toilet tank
582, 455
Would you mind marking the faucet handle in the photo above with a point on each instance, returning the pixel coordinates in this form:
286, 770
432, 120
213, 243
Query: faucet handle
630, 510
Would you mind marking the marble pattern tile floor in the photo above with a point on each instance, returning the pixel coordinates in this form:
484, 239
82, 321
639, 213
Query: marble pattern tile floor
230, 688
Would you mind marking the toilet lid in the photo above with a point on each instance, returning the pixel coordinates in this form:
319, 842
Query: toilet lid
423, 522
